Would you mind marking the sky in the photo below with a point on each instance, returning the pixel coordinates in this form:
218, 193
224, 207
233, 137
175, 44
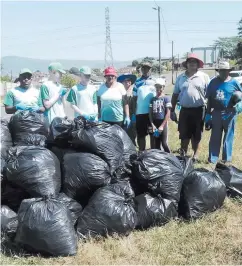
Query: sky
76, 30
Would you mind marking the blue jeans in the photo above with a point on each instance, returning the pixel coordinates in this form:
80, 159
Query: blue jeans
222, 122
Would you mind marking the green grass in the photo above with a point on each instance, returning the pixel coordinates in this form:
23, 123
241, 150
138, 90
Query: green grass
214, 239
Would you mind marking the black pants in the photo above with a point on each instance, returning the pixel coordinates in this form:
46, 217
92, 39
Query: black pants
162, 139
121, 123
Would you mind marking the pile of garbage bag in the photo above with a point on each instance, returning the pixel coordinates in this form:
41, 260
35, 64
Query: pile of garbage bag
28, 128
84, 179
5, 142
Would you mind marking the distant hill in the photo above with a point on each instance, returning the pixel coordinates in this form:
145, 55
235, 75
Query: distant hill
15, 63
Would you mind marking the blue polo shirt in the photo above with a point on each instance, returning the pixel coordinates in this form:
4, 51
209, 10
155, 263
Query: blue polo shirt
219, 92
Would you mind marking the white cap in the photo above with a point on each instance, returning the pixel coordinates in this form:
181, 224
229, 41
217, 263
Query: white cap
223, 65
160, 81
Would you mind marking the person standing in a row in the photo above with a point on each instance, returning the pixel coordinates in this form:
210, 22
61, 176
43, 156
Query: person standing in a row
143, 92
112, 100
190, 90
128, 80
52, 93
159, 116
222, 112
83, 96
25, 96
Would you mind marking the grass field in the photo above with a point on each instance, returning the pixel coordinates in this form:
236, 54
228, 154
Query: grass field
214, 239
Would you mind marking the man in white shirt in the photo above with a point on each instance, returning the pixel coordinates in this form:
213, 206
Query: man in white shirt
52, 93
83, 96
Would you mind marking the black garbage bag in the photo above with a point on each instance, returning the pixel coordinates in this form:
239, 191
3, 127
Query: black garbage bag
187, 164
160, 173
9, 220
34, 169
28, 128
153, 211
60, 130
60, 152
96, 138
45, 226
12, 195
109, 211
202, 192
6, 140
129, 148
73, 206
4, 131
232, 178
84, 173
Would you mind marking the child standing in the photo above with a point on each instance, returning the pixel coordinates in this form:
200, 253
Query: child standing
159, 114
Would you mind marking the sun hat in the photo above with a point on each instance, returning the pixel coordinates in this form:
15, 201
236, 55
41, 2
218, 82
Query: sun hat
110, 71
223, 65
85, 70
146, 63
193, 56
56, 66
132, 77
160, 81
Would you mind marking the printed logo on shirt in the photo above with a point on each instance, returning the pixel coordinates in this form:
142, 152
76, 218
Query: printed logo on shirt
220, 95
158, 106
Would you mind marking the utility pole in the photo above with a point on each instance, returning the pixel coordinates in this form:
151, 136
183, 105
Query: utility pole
158, 9
108, 46
172, 62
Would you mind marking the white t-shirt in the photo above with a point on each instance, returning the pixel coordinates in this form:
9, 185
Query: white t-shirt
48, 90
85, 98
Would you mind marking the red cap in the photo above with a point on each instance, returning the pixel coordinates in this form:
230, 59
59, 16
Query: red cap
110, 71
194, 56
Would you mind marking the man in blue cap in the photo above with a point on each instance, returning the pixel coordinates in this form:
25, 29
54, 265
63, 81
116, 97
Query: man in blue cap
83, 96
128, 80
24, 97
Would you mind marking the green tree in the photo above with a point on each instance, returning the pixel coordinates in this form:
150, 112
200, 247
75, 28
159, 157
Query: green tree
5, 78
228, 45
68, 81
135, 63
240, 28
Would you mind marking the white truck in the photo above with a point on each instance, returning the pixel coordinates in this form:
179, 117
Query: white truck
236, 74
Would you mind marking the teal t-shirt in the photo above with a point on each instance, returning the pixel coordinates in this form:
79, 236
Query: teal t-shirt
30, 97
112, 102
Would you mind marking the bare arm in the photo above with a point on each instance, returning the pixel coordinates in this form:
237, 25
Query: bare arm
99, 106
126, 110
151, 116
49, 103
126, 105
167, 117
174, 101
76, 109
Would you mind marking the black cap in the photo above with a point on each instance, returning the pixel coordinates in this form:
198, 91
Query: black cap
75, 71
